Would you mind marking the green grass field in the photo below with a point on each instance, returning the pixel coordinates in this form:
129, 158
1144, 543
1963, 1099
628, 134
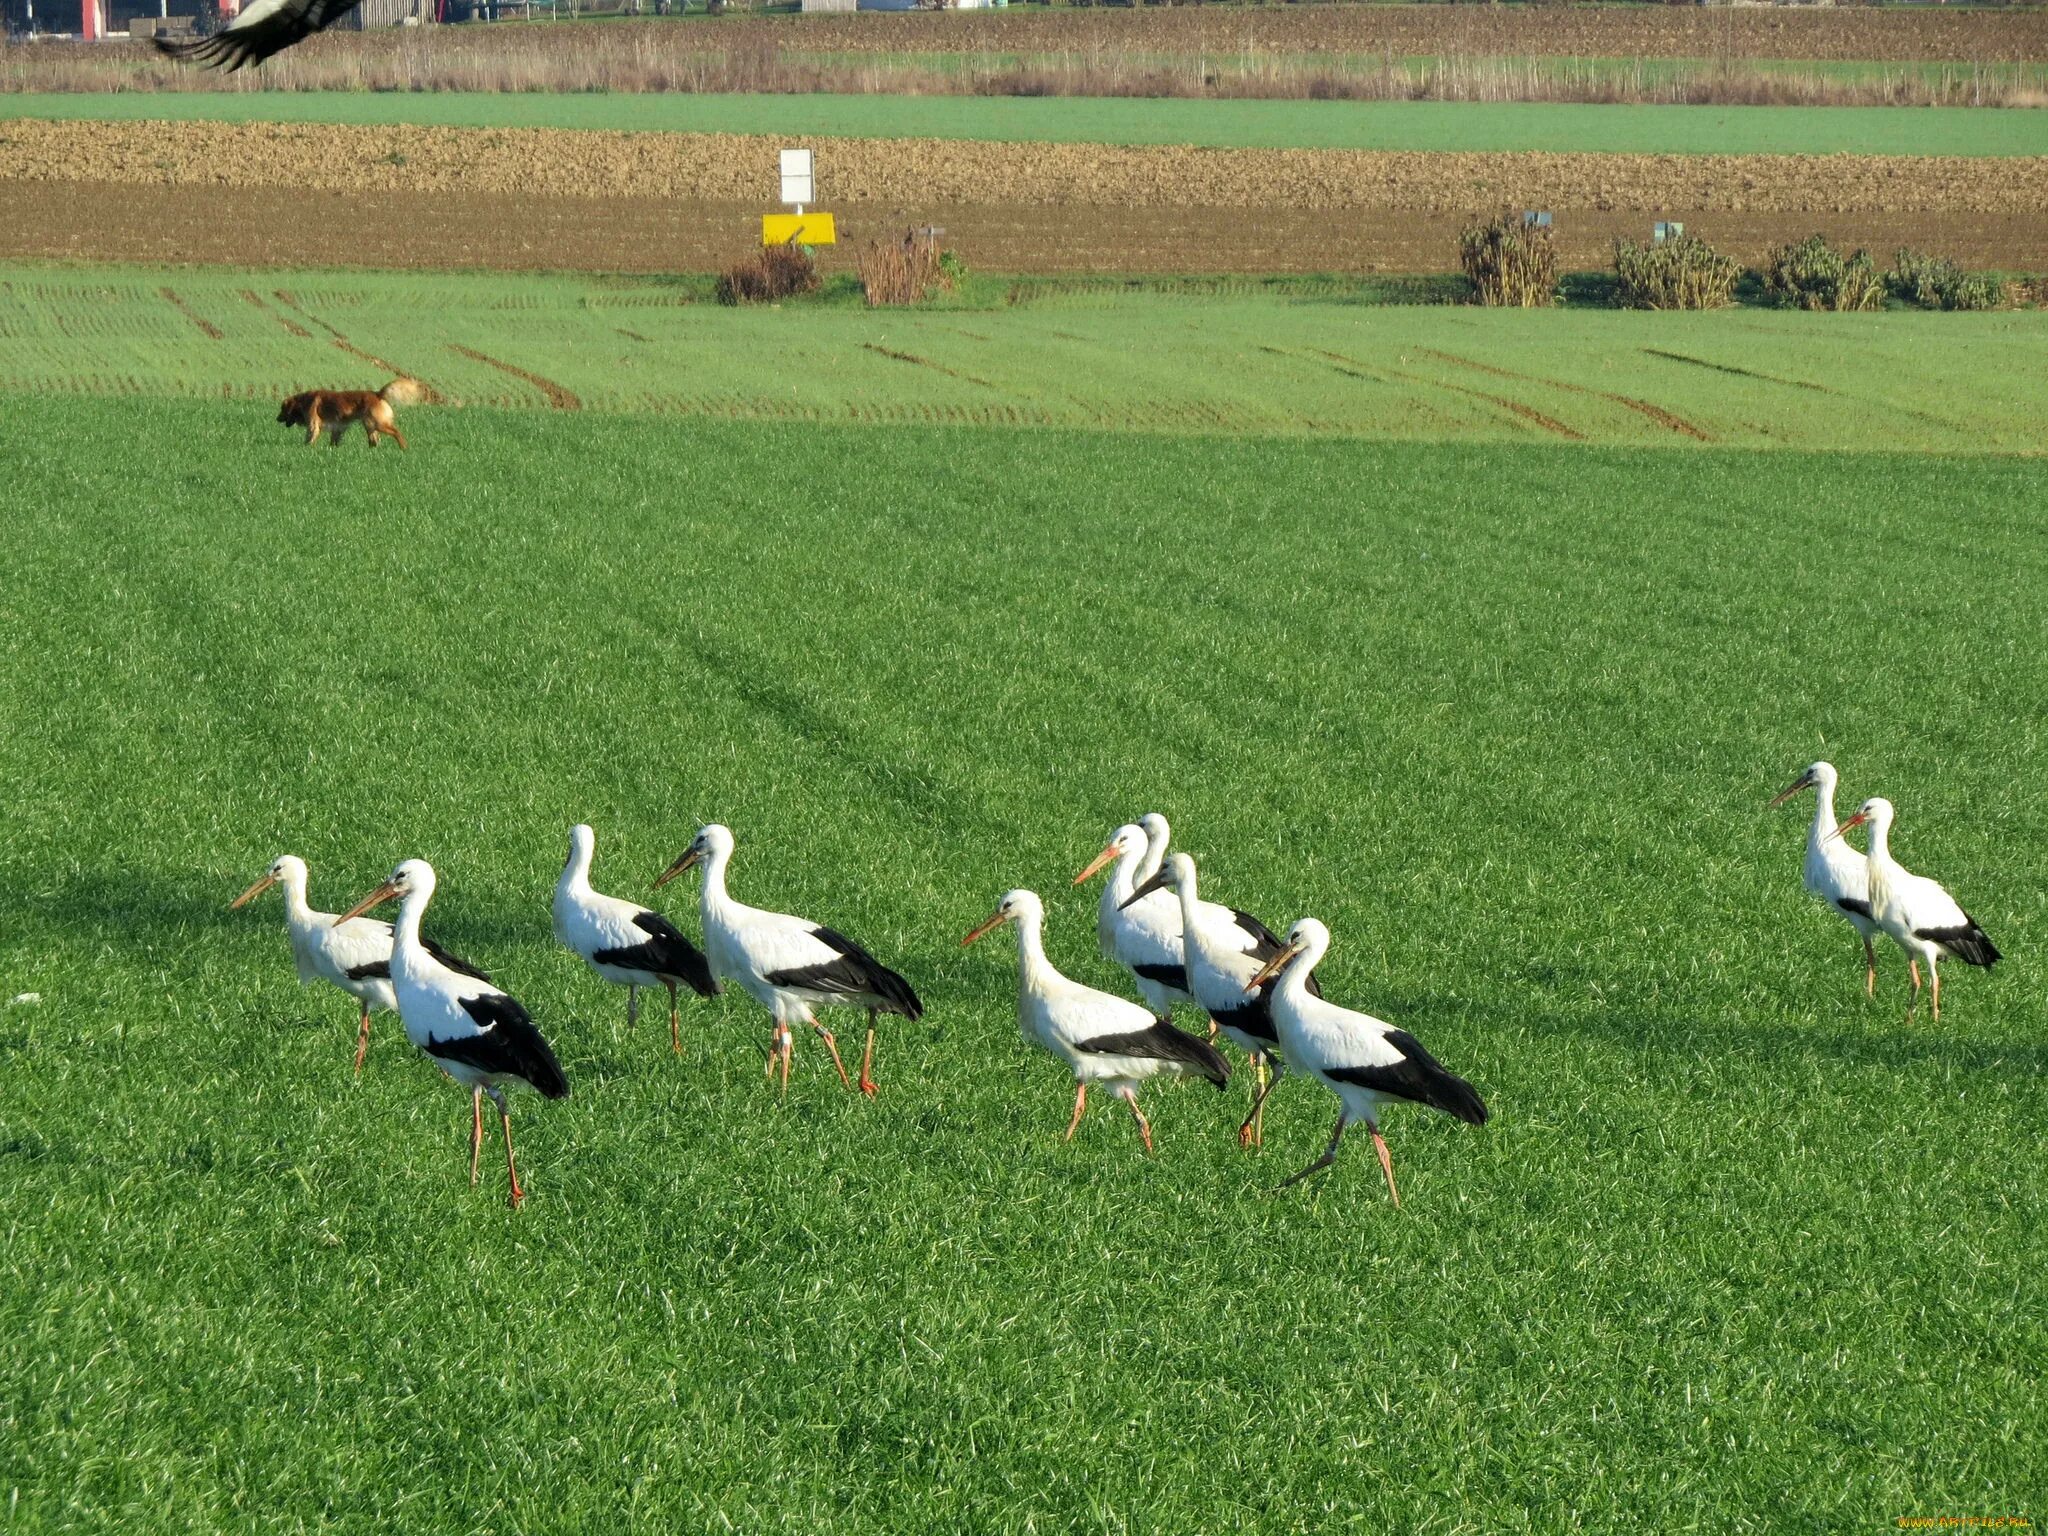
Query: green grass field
1506, 127
1230, 356
1739, 1251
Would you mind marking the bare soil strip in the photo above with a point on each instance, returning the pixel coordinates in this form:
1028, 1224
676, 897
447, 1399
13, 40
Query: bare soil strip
536, 164
207, 326
285, 227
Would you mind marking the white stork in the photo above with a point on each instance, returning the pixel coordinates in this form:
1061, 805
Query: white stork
474, 1032
264, 27
1220, 977
355, 956
1917, 914
1102, 1039
789, 965
1364, 1061
625, 943
1143, 938
1833, 871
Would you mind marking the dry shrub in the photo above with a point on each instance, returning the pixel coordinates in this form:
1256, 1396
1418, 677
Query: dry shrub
1814, 275
1512, 265
1685, 273
906, 271
771, 274
1935, 282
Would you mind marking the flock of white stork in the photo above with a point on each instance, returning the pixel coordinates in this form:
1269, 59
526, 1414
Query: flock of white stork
1260, 993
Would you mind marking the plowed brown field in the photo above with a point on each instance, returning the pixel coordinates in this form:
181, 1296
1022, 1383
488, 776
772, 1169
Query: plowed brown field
535, 198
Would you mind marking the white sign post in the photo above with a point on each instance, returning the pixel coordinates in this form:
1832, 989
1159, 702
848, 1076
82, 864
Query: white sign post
796, 178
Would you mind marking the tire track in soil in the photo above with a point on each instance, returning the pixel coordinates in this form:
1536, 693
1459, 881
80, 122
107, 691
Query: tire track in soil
558, 398
1655, 413
213, 332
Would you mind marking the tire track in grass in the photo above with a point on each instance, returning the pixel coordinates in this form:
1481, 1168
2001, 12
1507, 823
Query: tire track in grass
292, 327
925, 362
559, 398
212, 331
1516, 408
1820, 389
428, 394
1656, 413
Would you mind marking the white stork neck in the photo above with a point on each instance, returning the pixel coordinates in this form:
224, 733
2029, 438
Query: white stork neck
297, 910
713, 889
576, 873
1823, 814
1292, 983
1880, 854
1032, 964
405, 932
1190, 901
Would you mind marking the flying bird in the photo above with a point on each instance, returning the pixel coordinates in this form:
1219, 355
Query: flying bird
627, 944
1221, 978
1101, 1038
789, 965
473, 1031
1833, 870
354, 956
1364, 1061
264, 27
1917, 914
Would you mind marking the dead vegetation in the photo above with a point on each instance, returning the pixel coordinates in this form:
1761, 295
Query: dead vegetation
768, 276
1680, 273
1512, 263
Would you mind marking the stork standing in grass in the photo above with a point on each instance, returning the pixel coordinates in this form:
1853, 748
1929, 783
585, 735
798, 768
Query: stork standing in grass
1102, 1039
354, 956
789, 965
1364, 1061
627, 944
473, 1031
1917, 914
1834, 871
1141, 936
1220, 977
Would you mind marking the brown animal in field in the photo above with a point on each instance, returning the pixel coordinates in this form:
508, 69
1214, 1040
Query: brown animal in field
334, 410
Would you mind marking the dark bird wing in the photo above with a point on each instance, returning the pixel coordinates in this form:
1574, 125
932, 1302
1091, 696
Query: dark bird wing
372, 970
853, 972
1174, 976
666, 953
1966, 941
506, 1043
455, 963
266, 27
1162, 1042
1418, 1077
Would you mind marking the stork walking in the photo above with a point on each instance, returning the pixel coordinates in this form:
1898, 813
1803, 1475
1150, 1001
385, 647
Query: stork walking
1916, 913
1220, 977
1366, 1062
1102, 1039
789, 965
473, 1031
1834, 871
627, 944
354, 956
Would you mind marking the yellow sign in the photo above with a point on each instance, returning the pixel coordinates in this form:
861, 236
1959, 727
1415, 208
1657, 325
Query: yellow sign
802, 228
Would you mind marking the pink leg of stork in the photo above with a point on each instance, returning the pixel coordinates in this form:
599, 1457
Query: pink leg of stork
1934, 988
867, 1060
1386, 1164
363, 1040
832, 1045
1913, 1007
511, 1168
476, 1132
1130, 1097
1080, 1103
1869, 970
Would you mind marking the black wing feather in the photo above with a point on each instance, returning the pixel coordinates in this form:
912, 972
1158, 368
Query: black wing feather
251, 42
856, 973
1174, 976
509, 1044
1969, 943
1162, 1042
1266, 945
455, 963
1418, 1077
374, 970
666, 953
1851, 904
1254, 1020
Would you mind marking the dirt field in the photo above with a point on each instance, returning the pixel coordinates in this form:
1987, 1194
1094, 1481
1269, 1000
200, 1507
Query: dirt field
274, 226
531, 199
544, 163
